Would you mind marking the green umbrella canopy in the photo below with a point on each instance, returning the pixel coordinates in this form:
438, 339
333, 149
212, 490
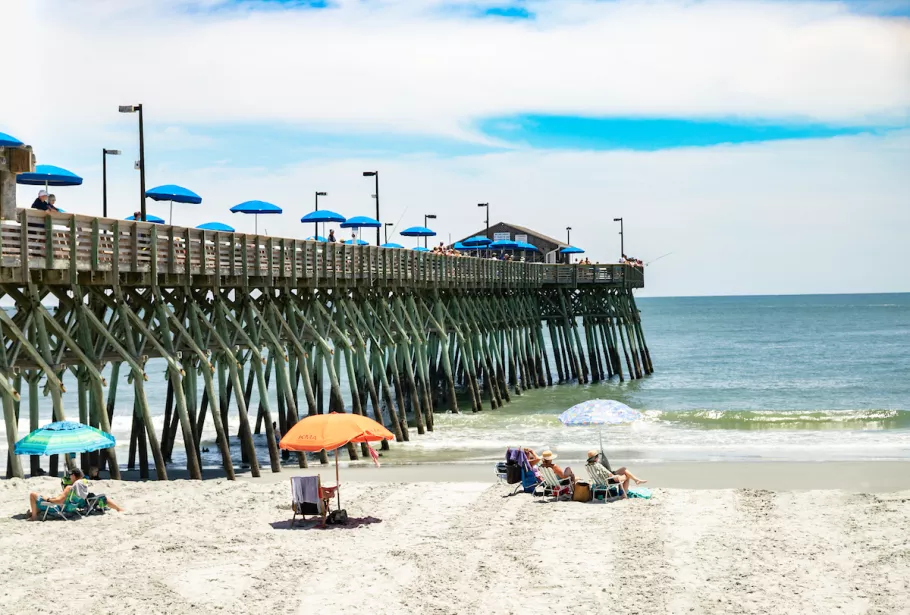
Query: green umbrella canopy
64, 437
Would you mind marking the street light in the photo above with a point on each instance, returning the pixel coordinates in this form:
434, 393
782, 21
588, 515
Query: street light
487, 205
385, 228
135, 109
104, 154
375, 196
425, 218
316, 224
568, 243
622, 249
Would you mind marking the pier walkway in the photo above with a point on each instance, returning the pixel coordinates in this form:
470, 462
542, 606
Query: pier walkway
412, 332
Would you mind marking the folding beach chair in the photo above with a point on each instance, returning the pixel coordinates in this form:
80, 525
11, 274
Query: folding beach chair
602, 488
553, 486
308, 497
68, 509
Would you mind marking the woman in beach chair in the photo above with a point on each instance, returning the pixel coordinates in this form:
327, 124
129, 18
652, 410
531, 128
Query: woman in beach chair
61, 505
94, 502
557, 481
547, 458
621, 477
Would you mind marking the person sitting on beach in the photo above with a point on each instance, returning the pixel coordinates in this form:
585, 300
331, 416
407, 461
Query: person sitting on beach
547, 458
37, 503
621, 476
532, 457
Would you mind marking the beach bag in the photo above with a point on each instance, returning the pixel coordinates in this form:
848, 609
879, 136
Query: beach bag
337, 517
529, 480
582, 492
513, 473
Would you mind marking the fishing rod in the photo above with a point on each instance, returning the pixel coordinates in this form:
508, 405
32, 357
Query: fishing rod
658, 258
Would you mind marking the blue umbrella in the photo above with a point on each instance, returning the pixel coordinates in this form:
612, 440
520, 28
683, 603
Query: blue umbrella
322, 215
9, 140
48, 175
571, 250
418, 231
216, 226
391, 245
524, 245
316, 238
255, 208
503, 244
459, 245
420, 249
64, 437
148, 218
476, 241
359, 242
173, 194
599, 412
361, 222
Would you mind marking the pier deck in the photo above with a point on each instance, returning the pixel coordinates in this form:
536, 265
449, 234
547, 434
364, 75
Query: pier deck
412, 332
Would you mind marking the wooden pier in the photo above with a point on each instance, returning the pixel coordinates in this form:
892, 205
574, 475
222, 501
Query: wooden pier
415, 333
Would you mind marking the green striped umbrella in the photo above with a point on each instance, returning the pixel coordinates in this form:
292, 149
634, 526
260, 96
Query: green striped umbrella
64, 437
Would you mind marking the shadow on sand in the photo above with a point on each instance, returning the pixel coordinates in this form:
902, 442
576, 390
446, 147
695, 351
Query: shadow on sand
316, 524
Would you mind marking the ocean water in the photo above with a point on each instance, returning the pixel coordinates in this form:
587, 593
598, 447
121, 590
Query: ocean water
815, 377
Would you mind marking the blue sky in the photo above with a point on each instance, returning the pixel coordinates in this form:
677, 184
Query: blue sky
736, 125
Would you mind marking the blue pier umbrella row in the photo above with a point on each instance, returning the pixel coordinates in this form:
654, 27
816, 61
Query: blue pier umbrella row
49, 175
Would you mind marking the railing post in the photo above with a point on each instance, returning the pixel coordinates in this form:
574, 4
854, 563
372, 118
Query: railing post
115, 251
95, 245
48, 241
171, 251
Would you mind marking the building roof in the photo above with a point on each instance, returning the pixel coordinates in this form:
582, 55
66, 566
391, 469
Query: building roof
523, 229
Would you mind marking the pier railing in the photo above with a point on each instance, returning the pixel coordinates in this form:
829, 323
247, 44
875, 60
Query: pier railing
92, 250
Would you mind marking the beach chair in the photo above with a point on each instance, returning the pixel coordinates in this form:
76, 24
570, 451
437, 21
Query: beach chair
308, 498
602, 490
68, 509
553, 486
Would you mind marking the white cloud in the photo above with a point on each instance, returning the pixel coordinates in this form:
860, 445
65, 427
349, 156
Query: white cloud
784, 217
404, 66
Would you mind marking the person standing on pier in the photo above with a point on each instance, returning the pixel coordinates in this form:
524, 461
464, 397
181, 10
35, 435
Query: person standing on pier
331, 236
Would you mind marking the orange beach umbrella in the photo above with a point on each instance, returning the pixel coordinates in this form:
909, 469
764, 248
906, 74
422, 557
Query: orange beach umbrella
332, 431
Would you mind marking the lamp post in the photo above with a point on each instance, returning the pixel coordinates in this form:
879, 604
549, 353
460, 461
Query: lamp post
138, 109
487, 205
385, 228
622, 249
316, 224
425, 218
375, 196
568, 243
104, 154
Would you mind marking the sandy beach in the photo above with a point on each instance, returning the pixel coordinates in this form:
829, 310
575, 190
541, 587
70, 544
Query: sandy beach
460, 547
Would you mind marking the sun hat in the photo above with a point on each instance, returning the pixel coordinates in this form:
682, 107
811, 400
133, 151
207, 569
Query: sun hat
547, 456
592, 454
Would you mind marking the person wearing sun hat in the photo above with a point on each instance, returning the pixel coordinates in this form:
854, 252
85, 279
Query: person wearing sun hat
622, 475
546, 460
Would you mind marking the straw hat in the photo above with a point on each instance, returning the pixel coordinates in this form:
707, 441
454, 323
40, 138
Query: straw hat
592, 455
547, 456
